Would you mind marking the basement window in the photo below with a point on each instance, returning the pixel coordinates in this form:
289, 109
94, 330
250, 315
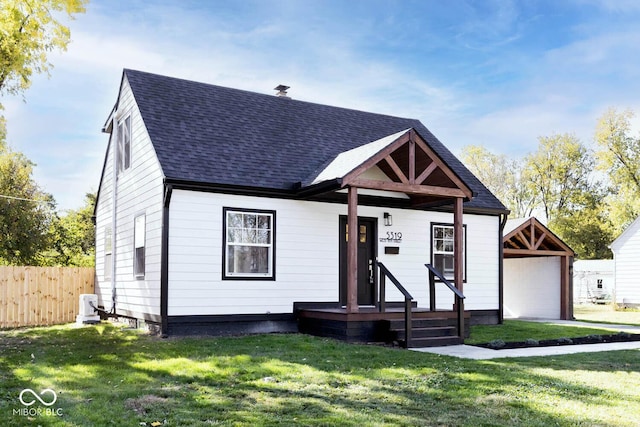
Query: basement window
249, 244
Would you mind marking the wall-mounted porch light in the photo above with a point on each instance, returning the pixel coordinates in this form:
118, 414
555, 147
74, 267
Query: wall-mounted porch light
388, 219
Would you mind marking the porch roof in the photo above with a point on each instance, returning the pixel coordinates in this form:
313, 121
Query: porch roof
408, 164
346, 161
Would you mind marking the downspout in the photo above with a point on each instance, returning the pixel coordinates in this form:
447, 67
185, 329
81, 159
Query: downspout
503, 222
114, 213
164, 262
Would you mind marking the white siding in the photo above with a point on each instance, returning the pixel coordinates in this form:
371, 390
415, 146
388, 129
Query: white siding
626, 257
532, 287
139, 190
307, 265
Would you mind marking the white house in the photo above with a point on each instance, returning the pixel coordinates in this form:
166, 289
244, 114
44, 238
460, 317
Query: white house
626, 259
593, 280
221, 210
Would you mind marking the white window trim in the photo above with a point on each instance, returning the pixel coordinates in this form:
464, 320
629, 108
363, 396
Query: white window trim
271, 273
125, 122
434, 252
139, 241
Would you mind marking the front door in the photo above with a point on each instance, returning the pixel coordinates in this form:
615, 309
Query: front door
366, 236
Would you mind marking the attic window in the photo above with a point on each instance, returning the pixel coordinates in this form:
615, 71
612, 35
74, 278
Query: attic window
124, 144
249, 244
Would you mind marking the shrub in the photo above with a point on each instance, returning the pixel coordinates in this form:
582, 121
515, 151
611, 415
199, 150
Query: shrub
496, 344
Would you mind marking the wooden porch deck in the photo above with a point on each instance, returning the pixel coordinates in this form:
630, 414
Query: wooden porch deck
429, 328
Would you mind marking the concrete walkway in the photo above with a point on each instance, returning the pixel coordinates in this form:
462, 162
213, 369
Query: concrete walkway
479, 353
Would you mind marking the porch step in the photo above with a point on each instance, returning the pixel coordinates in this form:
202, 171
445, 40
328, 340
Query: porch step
434, 342
425, 332
438, 331
417, 322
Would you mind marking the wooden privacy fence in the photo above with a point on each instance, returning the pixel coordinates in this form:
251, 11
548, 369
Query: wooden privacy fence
32, 296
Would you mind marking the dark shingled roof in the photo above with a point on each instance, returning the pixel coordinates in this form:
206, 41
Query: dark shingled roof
210, 134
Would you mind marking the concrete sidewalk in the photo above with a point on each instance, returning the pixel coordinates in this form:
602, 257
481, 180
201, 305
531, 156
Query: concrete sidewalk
479, 353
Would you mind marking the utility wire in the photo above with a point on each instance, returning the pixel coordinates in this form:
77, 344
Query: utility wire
22, 198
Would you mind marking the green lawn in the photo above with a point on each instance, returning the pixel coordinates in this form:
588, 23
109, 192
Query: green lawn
606, 313
107, 376
520, 330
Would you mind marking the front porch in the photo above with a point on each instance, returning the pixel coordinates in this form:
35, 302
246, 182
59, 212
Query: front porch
401, 163
402, 323
428, 328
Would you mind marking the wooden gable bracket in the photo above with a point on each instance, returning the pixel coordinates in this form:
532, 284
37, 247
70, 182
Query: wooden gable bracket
532, 238
540, 240
409, 184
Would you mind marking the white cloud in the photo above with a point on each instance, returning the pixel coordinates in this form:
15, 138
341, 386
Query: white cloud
395, 62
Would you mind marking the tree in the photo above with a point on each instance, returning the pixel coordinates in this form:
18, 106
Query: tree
503, 177
73, 237
26, 212
619, 157
3, 133
559, 173
588, 230
28, 32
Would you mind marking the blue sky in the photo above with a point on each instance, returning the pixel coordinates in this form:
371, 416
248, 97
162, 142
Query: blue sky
493, 73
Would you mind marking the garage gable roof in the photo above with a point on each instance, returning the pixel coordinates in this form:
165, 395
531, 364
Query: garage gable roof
524, 237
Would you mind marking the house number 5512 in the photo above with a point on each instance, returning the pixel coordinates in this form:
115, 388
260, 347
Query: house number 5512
394, 235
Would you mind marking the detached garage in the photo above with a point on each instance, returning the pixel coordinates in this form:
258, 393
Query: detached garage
538, 276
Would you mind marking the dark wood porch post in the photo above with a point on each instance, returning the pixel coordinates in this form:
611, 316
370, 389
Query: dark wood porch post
352, 251
566, 313
458, 261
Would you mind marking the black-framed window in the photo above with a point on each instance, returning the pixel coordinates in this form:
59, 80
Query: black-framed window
139, 243
442, 246
124, 144
248, 244
108, 250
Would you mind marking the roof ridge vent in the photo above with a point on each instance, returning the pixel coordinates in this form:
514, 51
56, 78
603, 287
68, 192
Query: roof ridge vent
282, 91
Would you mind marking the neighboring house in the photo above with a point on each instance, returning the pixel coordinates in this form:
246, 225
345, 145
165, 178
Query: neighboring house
537, 272
593, 280
626, 259
228, 207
